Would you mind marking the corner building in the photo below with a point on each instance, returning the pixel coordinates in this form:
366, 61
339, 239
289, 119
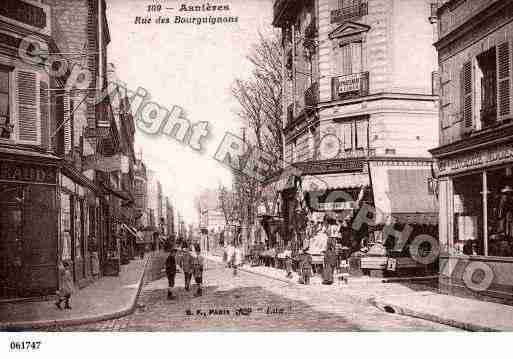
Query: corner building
360, 110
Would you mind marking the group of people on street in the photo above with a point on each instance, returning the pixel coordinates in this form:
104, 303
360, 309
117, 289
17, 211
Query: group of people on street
192, 264
233, 256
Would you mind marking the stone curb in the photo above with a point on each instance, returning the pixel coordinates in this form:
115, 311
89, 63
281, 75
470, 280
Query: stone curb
389, 307
357, 299
23, 326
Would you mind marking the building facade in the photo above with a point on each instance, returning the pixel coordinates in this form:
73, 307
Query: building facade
360, 109
53, 207
475, 178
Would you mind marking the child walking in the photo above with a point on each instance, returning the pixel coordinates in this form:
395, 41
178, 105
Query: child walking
64, 294
198, 272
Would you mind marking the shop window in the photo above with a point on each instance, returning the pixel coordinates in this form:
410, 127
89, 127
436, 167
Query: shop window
66, 226
500, 212
468, 215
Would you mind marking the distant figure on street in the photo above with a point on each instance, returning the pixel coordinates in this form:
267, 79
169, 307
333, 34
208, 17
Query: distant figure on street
237, 259
198, 264
64, 294
171, 272
186, 263
305, 267
330, 263
230, 251
288, 261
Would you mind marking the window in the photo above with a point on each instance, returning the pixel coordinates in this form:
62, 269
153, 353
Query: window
486, 87
361, 135
348, 58
472, 236
4, 96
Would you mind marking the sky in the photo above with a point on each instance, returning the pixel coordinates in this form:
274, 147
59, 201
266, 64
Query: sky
188, 65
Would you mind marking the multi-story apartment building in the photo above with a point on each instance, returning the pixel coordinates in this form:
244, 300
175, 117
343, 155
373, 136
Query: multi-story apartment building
52, 206
141, 194
475, 156
360, 105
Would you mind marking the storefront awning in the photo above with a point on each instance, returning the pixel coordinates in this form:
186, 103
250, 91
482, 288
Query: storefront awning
403, 190
335, 181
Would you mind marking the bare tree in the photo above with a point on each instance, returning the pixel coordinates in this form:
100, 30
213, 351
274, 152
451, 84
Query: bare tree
259, 99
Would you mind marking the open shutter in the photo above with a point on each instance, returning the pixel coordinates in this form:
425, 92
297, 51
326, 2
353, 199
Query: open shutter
466, 82
92, 59
29, 126
361, 134
44, 110
503, 81
67, 123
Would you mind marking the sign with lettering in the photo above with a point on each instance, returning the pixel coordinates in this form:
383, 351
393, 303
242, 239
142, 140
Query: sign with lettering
477, 159
22, 172
349, 83
24, 12
336, 206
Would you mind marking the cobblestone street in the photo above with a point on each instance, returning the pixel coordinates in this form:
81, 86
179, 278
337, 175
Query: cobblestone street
250, 302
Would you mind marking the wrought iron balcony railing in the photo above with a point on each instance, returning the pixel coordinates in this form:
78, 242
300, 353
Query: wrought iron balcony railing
349, 12
350, 86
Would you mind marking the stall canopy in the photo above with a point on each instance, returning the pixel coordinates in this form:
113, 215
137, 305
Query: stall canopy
402, 194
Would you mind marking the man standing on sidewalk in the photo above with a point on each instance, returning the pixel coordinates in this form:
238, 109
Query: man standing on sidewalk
198, 264
171, 272
187, 267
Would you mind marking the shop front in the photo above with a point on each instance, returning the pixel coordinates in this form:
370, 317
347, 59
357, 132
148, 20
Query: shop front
476, 218
80, 225
405, 209
28, 226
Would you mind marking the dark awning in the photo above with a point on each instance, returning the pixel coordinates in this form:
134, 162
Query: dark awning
403, 191
122, 195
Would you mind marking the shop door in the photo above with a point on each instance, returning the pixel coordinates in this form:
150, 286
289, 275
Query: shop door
11, 241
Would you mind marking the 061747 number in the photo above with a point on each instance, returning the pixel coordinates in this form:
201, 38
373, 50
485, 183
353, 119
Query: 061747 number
27, 345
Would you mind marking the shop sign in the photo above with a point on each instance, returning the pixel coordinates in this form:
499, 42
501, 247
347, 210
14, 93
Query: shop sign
335, 166
336, 206
24, 12
21, 172
477, 159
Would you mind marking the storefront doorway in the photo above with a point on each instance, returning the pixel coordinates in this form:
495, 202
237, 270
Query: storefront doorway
12, 251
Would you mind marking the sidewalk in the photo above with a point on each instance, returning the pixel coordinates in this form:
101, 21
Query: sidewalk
464, 313
409, 298
107, 298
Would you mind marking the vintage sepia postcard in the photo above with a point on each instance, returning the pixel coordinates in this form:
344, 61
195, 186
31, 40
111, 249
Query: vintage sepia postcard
255, 166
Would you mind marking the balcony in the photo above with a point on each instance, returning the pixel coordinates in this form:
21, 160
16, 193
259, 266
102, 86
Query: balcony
349, 12
350, 86
312, 95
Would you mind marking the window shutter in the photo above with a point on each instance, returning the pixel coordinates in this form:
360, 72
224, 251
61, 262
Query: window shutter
92, 58
346, 58
67, 123
44, 110
503, 81
28, 114
466, 81
347, 136
356, 57
361, 134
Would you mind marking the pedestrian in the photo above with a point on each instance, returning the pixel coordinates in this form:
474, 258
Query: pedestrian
230, 251
186, 263
64, 294
171, 272
305, 265
288, 262
237, 258
198, 264
330, 263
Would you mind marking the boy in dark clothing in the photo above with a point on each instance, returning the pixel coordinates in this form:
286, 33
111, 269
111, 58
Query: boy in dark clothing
187, 267
171, 272
198, 272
